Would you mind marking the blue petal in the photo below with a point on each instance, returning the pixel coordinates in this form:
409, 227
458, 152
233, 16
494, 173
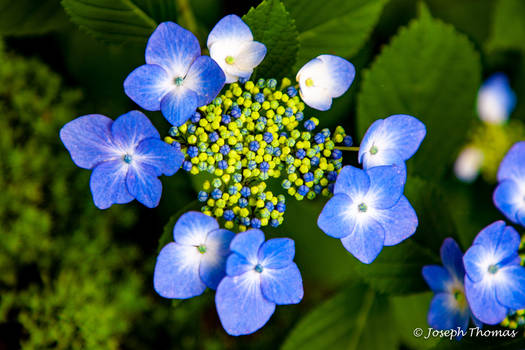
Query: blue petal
147, 85
206, 79
366, 241
131, 128
179, 105
230, 28
499, 240
368, 139
352, 181
282, 286
164, 158
247, 244
496, 100
399, 222
437, 278
510, 287
193, 227
386, 186
476, 261
444, 313
108, 184
241, 306
237, 264
483, 303
143, 184
336, 220
339, 72
277, 253
452, 258
177, 272
88, 140
173, 48
513, 164
508, 199
213, 263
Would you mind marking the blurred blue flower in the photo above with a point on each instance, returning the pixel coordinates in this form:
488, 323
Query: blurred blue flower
259, 275
509, 196
324, 78
127, 157
449, 308
391, 141
231, 45
496, 100
495, 280
176, 79
368, 211
195, 260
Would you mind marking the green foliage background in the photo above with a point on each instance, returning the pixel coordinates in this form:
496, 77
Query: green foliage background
74, 277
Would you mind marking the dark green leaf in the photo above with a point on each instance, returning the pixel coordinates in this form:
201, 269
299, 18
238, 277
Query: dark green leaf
272, 25
338, 27
508, 25
348, 321
30, 17
120, 21
432, 72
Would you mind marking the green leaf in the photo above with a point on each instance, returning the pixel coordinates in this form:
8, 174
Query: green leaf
508, 25
338, 27
120, 21
432, 72
30, 17
272, 25
349, 321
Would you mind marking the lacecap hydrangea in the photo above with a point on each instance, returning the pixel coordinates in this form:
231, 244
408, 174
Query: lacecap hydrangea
242, 135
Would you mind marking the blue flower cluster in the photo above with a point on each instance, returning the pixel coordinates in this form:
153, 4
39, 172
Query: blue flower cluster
488, 281
368, 209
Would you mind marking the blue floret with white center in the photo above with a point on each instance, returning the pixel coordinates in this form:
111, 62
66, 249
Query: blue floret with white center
496, 100
196, 260
449, 308
259, 276
368, 211
495, 280
127, 157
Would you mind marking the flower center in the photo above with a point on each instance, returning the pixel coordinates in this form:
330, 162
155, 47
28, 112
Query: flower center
493, 269
230, 59
373, 150
178, 81
309, 82
362, 207
459, 296
127, 158
201, 248
258, 268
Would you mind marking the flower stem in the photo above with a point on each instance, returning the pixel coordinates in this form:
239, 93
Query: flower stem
342, 148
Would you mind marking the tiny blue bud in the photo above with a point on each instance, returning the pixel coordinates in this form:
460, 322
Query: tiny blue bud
319, 138
222, 164
254, 146
291, 91
226, 119
348, 141
255, 223
299, 116
301, 153
259, 97
202, 196
193, 151
213, 137
187, 165
224, 150
308, 177
216, 194
281, 207
228, 215
195, 117
243, 202
174, 131
245, 192
271, 83
337, 153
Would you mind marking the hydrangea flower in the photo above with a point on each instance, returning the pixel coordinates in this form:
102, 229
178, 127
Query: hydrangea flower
231, 45
368, 211
495, 280
127, 157
195, 260
509, 196
496, 100
176, 79
259, 275
391, 141
449, 308
468, 164
324, 78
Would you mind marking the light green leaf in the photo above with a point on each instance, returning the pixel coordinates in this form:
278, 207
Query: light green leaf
120, 21
508, 25
30, 17
349, 321
432, 72
338, 27
272, 25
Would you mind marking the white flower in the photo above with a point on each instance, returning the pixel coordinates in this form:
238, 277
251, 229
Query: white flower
496, 100
468, 164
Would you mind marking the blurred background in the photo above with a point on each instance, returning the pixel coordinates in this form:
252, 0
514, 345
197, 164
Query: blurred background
75, 277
